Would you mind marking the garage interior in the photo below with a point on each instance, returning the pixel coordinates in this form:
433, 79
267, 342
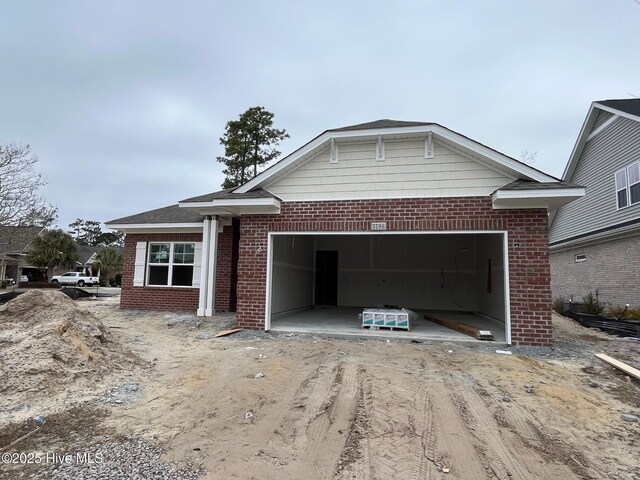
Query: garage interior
319, 283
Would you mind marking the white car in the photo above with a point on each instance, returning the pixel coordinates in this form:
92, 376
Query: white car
75, 278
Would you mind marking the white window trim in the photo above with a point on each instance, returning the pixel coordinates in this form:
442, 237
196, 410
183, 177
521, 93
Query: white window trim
580, 257
626, 187
170, 265
629, 184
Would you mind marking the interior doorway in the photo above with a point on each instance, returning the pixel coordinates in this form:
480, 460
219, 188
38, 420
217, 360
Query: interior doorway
326, 278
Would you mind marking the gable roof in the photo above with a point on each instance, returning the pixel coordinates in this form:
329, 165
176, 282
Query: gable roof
398, 129
16, 239
628, 108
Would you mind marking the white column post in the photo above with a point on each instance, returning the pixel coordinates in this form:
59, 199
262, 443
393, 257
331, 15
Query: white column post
211, 268
204, 266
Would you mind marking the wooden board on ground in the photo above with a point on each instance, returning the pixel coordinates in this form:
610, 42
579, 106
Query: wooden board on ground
460, 327
628, 369
227, 332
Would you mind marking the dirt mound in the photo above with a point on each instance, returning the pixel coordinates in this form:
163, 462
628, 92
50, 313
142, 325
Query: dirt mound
47, 342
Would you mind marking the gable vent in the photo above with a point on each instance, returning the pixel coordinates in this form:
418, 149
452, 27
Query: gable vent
429, 151
380, 149
333, 156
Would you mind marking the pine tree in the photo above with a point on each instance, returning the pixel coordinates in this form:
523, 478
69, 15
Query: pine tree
249, 143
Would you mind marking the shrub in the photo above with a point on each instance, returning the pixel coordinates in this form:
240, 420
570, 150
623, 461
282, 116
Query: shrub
623, 312
118, 279
592, 304
558, 304
3, 284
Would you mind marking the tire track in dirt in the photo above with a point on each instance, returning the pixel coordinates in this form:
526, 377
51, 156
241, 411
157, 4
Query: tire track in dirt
522, 426
327, 432
507, 457
424, 422
399, 440
355, 458
312, 435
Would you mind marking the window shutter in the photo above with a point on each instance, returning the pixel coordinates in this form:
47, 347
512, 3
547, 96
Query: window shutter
138, 269
197, 264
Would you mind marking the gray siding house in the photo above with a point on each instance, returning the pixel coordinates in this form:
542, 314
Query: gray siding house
595, 241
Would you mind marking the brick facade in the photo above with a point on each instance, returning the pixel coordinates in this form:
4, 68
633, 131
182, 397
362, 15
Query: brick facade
611, 268
224, 299
182, 298
529, 272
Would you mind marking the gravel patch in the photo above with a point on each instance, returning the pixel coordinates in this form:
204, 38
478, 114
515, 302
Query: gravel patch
133, 459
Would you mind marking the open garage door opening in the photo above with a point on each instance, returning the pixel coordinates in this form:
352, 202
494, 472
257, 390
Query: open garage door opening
319, 283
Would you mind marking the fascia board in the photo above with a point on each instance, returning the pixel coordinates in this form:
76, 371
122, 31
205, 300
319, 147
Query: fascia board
615, 111
538, 194
584, 135
580, 143
434, 128
284, 163
152, 226
235, 202
497, 157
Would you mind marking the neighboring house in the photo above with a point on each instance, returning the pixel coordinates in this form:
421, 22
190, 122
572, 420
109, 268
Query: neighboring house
595, 241
382, 213
88, 258
14, 244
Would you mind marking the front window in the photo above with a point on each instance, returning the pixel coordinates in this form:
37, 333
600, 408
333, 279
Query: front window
171, 264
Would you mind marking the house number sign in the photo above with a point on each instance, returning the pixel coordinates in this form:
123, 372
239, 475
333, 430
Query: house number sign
378, 225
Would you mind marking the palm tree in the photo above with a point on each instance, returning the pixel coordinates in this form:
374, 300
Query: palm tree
52, 249
109, 261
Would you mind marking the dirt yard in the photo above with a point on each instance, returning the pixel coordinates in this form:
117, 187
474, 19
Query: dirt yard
256, 406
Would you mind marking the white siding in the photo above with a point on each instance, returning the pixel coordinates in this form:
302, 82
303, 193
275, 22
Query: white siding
615, 147
403, 173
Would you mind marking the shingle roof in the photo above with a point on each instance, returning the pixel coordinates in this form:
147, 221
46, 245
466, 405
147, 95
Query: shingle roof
170, 214
531, 185
228, 194
383, 123
16, 239
628, 105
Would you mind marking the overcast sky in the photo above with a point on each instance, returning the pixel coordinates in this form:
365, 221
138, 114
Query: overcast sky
124, 102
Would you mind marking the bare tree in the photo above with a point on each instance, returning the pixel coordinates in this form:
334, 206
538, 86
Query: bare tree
528, 157
20, 203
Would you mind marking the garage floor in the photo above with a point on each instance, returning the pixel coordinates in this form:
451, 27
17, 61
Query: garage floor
344, 321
